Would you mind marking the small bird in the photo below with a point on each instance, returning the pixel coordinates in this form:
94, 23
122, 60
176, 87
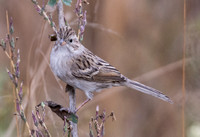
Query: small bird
80, 68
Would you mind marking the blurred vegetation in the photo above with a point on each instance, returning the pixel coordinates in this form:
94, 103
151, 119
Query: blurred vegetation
6, 102
137, 37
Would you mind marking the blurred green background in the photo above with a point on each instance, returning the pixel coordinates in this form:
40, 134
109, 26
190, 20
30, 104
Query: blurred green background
143, 39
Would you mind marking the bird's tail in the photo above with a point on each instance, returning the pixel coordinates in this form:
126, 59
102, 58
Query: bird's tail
148, 90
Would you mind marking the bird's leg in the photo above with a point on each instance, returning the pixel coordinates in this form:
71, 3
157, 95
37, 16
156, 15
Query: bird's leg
69, 88
82, 104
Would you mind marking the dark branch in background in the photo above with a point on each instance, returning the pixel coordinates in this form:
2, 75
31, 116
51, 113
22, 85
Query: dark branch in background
61, 111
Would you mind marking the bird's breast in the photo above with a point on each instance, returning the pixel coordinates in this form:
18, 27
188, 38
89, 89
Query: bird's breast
60, 65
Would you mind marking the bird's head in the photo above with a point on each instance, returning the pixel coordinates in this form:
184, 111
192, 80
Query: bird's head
66, 39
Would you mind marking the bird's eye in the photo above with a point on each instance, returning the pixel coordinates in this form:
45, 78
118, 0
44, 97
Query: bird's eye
70, 40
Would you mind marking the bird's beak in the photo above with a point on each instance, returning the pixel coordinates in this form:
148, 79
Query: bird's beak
62, 42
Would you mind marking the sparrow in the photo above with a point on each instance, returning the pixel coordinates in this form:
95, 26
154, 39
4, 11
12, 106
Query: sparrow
81, 69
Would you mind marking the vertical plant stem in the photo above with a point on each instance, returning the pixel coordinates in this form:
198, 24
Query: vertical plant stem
60, 14
12, 66
72, 107
72, 97
183, 71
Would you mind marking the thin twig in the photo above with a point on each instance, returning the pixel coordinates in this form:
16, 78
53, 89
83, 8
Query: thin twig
183, 69
41, 120
44, 14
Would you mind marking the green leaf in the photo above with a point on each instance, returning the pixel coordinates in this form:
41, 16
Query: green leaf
73, 118
67, 2
42, 104
52, 2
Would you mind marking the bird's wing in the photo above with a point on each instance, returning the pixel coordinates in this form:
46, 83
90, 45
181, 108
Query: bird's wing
92, 68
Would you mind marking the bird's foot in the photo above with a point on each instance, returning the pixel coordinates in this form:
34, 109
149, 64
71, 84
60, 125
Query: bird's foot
82, 104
